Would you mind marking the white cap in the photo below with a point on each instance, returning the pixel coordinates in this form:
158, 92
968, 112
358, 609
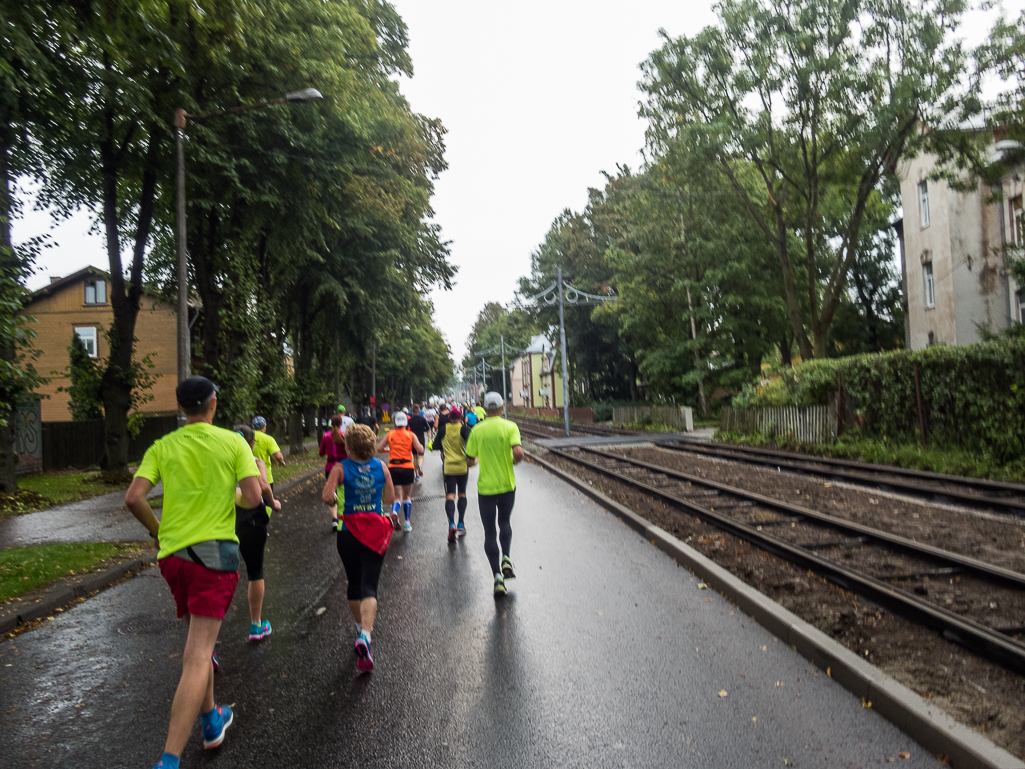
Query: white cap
401, 420
493, 400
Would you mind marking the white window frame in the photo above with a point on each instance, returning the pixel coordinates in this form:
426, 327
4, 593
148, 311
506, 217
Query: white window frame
923, 202
1015, 210
88, 336
930, 284
96, 286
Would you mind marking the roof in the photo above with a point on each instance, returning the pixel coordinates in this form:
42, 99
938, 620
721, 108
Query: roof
538, 343
86, 272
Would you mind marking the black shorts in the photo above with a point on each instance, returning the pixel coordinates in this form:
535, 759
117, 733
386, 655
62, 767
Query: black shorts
402, 476
362, 566
252, 537
456, 482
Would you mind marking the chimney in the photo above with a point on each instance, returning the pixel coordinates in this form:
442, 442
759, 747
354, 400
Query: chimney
54, 279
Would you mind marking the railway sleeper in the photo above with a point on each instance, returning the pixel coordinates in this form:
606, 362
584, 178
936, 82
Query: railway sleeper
830, 544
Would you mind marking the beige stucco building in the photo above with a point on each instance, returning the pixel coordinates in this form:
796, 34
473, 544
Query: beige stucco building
535, 380
953, 256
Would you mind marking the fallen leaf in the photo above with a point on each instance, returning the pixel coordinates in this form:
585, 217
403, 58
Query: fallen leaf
321, 610
702, 586
754, 718
829, 672
601, 614
865, 703
722, 692
399, 557
764, 648
904, 754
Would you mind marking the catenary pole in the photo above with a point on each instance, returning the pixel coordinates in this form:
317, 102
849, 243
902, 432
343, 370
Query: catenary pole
562, 343
184, 342
505, 398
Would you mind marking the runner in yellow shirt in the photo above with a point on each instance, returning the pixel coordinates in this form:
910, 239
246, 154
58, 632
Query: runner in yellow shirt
495, 444
199, 465
267, 448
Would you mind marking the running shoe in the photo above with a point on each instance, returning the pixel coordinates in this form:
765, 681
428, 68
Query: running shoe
259, 630
507, 568
215, 661
461, 530
334, 524
213, 734
451, 534
395, 522
407, 526
500, 589
365, 663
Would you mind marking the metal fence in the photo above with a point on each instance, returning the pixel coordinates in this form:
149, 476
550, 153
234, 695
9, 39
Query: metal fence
812, 424
80, 444
680, 417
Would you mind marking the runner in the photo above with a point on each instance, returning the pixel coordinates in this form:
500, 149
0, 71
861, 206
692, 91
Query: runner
471, 415
199, 465
251, 530
418, 426
480, 412
368, 419
332, 446
495, 442
430, 414
451, 441
267, 448
401, 444
365, 533
347, 421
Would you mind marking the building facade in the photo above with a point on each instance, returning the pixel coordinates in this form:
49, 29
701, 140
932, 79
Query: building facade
953, 249
79, 305
535, 380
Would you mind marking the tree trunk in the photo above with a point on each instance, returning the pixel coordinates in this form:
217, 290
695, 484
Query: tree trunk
8, 351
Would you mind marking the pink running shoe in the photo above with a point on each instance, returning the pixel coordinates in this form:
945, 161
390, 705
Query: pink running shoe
365, 663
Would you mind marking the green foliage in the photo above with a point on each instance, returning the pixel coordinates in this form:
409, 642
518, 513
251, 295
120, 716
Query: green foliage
84, 399
973, 396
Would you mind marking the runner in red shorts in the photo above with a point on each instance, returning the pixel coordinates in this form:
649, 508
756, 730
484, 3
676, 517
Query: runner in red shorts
199, 465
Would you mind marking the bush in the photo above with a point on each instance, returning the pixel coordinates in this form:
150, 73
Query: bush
973, 395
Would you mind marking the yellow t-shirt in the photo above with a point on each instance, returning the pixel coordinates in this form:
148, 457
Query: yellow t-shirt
199, 465
491, 441
265, 448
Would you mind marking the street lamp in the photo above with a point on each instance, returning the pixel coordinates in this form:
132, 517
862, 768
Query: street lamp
184, 342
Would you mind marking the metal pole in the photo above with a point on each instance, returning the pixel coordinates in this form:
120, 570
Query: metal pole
505, 398
184, 342
373, 379
562, 343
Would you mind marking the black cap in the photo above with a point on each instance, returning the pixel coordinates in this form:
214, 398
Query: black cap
194, 391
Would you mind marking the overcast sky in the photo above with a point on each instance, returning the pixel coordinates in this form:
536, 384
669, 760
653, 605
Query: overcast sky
538, 98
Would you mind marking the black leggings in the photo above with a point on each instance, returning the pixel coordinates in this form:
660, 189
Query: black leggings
362, 566
252, 536
500, 505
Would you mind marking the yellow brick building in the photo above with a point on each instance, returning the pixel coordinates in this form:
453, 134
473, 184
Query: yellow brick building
80, 304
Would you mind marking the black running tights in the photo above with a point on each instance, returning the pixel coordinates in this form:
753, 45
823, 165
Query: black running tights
498, 506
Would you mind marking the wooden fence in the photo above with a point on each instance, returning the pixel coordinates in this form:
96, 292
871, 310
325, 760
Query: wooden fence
80, 444
680, 417
812, 424
583, 415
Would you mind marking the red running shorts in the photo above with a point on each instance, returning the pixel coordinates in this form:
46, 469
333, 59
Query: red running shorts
197, 589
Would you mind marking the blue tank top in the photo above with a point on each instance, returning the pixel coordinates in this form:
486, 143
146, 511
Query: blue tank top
471, 418
364, 483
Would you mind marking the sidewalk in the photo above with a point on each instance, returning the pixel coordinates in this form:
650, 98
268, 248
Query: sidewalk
98, 519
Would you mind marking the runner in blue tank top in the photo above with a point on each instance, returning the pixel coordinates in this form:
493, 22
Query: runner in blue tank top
365, 532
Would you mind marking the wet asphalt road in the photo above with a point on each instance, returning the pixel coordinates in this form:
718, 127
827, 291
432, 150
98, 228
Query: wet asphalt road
605, 655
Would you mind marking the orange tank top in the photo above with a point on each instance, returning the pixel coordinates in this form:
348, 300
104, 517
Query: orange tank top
400, 446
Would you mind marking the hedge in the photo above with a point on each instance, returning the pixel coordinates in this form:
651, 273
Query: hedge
972, 395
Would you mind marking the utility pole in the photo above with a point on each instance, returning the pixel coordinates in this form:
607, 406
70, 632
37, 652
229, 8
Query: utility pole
562, 344
373, 378
505, 398
184, 341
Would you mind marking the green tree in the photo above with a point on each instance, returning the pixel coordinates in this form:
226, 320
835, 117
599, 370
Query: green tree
84, 397
804, 106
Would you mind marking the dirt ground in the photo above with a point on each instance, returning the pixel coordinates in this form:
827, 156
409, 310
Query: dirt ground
971, 690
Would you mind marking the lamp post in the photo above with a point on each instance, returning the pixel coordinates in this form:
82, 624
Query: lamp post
184, 340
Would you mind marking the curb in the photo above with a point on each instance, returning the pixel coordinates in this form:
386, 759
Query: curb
933, 729
100, 581
66, 594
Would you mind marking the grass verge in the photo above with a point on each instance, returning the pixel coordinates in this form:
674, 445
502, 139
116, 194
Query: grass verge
294, 465
26, 568
40, 492
951, 461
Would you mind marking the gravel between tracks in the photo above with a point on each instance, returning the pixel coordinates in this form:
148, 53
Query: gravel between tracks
980, 694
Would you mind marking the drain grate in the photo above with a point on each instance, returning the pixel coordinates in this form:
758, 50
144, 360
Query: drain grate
429, 498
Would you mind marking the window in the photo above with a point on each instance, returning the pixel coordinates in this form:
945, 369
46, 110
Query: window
1015, 205
96, 292
88, 336
930, 285
923, 202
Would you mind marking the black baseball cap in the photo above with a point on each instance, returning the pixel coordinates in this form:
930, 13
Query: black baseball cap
194, 391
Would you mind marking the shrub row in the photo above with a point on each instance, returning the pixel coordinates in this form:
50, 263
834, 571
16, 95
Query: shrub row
972, 395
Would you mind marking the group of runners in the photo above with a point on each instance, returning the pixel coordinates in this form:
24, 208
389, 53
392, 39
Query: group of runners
219, 497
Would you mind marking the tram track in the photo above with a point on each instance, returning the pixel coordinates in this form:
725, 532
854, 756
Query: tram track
907, 577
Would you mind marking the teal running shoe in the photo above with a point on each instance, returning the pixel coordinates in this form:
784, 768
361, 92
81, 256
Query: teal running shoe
259, 630
213, 733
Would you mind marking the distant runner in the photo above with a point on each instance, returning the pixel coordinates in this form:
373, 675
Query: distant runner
401, 444
347, 421
451, 441
365, 532
368, 419
199, 465
495, 442
480, 412
332, 447
418, 426
267, 448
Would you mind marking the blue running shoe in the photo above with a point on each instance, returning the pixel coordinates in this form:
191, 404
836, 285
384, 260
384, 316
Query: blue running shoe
365, 663
213, 733
461, 530
259, 630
